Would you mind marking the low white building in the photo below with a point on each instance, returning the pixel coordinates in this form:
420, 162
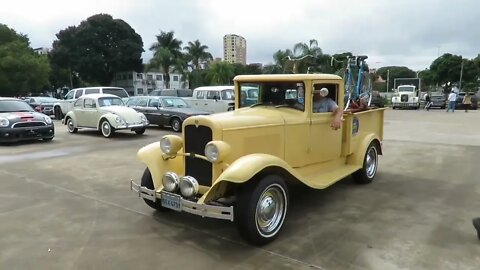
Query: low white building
143, 83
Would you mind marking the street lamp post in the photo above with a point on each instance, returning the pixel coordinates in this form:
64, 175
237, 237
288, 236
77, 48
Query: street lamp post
461, 75
388, 78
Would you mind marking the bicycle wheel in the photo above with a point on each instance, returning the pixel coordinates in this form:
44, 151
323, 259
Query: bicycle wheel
366, 89
349, 89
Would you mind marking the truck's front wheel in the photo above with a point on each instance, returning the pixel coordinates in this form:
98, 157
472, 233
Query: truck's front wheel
370, 164
147, 182
261, 209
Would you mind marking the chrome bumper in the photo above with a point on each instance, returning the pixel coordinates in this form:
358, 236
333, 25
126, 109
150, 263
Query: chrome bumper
203, 210
132, 126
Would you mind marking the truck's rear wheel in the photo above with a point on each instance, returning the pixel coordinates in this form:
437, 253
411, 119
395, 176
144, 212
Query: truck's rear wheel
147, 182
370, 164
261, 209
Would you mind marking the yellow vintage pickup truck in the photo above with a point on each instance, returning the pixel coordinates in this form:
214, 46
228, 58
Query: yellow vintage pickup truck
238, 165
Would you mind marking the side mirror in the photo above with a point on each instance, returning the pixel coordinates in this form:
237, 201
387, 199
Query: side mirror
215, 97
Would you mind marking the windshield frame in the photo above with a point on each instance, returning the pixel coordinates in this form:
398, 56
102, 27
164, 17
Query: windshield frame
272, 93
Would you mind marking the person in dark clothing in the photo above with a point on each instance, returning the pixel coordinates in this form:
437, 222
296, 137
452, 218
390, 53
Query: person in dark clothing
428, 103
476, 224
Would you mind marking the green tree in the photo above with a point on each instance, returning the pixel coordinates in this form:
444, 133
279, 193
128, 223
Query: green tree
221, 73
280, 61
447, 68
167, 54
98, 48
196, 53
21, 70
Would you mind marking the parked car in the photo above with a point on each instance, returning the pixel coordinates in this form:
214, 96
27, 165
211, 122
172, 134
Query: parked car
213, 99
172, 92
18, 121
459, 101
62, 107
42, 104
438, 100
106, 113
164, 111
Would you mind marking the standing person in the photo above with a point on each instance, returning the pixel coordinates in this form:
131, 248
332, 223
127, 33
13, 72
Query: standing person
467, 101
452, 97
427, 101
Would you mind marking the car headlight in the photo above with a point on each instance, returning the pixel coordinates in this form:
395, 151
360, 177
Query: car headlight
188, 186
48, 120
143, 118
170, 181
216, 151
171, 144
4, 122
119, 120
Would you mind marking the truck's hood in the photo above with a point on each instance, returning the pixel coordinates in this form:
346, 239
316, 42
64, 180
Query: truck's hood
249, 117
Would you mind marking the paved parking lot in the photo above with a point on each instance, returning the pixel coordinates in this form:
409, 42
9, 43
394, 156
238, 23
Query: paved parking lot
67, 205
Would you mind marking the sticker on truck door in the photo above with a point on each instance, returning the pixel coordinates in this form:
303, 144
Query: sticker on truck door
355, 126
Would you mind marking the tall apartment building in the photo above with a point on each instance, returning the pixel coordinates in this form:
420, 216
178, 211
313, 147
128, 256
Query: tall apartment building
235, 49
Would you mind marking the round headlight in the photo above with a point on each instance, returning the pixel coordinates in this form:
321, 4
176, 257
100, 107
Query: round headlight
165, 145
170, 181
118, 119
144, 119
211, 152
4, 122
188, 186
170, 144
48, 120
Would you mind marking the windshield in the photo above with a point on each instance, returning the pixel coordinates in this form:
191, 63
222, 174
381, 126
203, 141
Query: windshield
120, 92
406, 88
279, 94
228, 94
110, 101
14, 106
174, 103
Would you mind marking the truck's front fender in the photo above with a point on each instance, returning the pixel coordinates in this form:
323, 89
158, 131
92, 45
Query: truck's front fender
244, 169
151, 156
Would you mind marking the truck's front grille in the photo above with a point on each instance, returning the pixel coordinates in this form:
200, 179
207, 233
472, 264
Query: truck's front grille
404, 98
195, 140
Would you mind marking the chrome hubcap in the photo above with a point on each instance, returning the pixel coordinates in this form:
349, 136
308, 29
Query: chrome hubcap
176, 125
270, 210
371, 162
70, 125
106, 129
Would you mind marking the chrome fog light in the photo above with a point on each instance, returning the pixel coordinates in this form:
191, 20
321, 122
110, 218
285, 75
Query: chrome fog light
188, 186
170, 181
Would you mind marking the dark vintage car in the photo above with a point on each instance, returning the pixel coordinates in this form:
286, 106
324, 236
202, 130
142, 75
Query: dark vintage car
459, 102
18, 122
42, 104
172, 92
164, 111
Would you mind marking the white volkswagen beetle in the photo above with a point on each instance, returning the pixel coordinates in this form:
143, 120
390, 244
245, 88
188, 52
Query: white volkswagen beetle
106, 113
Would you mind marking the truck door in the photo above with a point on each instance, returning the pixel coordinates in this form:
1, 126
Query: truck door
325, 143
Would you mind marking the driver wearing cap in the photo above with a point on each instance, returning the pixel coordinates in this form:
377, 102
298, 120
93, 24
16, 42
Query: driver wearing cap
322, 103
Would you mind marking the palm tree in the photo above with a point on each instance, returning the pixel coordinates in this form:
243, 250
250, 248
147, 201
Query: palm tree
167, 54
309, 54
221, 73
280, 59
197, 52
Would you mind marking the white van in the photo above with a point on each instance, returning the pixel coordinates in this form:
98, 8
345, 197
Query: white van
62, 107
213, 99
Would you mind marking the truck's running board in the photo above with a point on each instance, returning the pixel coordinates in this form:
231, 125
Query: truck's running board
321, 180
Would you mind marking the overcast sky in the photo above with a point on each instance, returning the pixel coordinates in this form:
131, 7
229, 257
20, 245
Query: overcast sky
408, 33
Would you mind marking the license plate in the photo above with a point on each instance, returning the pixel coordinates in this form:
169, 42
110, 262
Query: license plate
172, 201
